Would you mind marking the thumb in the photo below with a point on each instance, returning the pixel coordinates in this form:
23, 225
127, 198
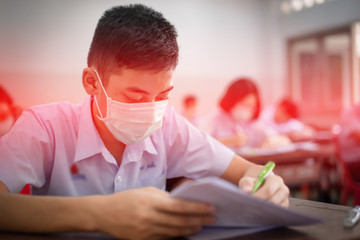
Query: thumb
247, 184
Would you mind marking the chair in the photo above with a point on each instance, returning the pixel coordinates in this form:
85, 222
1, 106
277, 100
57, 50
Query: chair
350, 185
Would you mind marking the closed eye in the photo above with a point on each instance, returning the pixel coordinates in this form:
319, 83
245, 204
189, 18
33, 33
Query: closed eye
161, 98
131, 99
164, 95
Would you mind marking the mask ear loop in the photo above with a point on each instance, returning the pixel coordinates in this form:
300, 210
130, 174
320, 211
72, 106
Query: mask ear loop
96, 102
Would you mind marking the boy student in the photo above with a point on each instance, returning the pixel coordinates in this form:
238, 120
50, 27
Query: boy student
114, 152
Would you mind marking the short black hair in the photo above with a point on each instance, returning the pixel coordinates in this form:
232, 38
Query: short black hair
290, 107
5, 96
189, 99
239, 89
136, 37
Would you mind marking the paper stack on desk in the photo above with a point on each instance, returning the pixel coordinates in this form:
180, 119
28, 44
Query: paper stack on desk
237, 211
251, 151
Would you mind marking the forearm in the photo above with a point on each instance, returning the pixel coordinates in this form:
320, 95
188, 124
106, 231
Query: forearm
236, 169
23, 213
244, 174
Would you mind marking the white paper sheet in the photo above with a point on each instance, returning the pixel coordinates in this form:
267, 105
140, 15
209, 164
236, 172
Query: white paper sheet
235, 208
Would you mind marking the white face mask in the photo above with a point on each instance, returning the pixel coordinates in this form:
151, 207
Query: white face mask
6, 124
241, 113
131, 123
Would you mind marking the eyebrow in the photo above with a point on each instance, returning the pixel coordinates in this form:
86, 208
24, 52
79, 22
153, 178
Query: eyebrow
138, 90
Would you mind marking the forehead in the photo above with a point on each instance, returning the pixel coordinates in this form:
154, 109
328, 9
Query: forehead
4, 107
146, 80
250, 98
281, 111
5, 110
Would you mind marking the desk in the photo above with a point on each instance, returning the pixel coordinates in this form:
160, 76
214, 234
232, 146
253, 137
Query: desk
317, 150
330, 229
300, 165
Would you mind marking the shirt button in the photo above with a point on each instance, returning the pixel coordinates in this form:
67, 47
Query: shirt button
118, 178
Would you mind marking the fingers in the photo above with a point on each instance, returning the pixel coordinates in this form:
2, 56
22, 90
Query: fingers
161, 201
178, 217
173, 225
181, 213
154, 215
275, 191
247, 184
179, 206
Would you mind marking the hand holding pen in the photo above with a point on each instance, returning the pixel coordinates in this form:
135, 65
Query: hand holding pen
260, 182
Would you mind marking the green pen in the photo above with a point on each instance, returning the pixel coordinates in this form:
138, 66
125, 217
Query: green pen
265, 171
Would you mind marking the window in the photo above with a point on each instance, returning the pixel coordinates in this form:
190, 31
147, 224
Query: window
320, 75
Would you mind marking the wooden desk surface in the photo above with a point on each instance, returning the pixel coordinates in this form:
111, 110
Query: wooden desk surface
323, 150
330, 229
300, 166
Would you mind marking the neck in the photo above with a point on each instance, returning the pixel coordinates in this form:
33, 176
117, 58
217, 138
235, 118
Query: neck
115, 147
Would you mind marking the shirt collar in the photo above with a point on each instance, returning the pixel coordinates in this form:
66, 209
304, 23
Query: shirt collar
134, 152
89, 142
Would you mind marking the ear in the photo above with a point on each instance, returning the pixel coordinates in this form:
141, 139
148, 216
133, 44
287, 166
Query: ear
90, 81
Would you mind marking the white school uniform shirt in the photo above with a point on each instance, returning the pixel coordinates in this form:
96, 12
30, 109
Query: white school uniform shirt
225, 126
57, 150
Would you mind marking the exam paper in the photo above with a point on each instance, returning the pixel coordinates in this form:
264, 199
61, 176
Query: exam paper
235, 208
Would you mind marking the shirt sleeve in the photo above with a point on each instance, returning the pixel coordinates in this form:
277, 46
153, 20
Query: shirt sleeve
192, 153
22, 153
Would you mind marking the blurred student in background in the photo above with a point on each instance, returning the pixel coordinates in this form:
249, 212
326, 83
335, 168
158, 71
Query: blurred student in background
283, 119
234, 125
349, 140
190, 109
9, 112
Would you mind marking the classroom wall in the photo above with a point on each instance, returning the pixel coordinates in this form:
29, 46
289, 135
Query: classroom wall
44, 44
331, 14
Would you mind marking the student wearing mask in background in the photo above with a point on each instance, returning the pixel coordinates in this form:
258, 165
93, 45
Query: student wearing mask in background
9, 112
236, 125
114, 152
283, 118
